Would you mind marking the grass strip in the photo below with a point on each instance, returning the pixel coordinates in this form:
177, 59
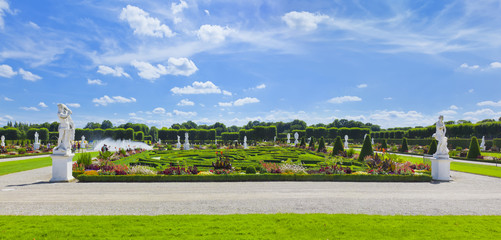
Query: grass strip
255, 178
485, 170
251, 226
29, 164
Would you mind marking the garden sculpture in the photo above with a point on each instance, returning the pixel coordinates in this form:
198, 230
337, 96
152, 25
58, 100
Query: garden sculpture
482, 145
345, 141
245, 142
296, 137
442, 150
178, 141
36, 144
66, 130
288, 138
3, 141
186, 142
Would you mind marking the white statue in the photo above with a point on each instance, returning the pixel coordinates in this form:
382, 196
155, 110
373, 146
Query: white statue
442, 150
178, 141
345, 141
296, 137
215, 141
36, 144
66, 131
186, 141
84, 144
274, 139
372, 141
245, 142
288, 138
159, 141
482, 145
309, 140
3, 141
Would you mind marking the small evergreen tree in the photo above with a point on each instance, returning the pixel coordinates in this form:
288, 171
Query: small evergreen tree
474, 150
404, 147
366, 149
321, 145
303, 142
432, 149
384, 144
338, 146
312, 144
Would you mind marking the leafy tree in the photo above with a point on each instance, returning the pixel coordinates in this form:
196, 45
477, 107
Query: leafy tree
175, 126
92, 125
106, 124
54, 127
474, 150
338, 146
366, 149
189, 125
463, 121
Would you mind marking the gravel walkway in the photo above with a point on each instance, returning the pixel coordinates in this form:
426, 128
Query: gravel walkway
29, 193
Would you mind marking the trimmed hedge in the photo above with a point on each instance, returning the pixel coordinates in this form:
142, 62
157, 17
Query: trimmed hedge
366, 149
255, 178
474, 149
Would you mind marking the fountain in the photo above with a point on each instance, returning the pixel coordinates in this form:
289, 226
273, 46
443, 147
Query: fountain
186, 142
245, 142
36, 144
115, 145
288, 138
178, 146
296, 137
482, 145
345, 141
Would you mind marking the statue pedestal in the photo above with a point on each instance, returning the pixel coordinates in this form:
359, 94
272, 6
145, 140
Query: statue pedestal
62, 168
441, 168
36, 146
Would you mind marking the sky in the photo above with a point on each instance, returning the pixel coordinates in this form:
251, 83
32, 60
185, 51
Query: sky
391, 63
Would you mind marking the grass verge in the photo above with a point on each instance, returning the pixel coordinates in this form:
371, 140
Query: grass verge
251, 226
29, 164
485, 170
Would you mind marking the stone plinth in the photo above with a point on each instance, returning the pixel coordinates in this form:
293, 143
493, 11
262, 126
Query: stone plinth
62, 168
36, 146
441, 168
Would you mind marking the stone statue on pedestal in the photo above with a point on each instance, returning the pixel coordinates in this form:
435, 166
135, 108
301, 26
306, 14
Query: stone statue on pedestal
178, 142
36, 144
186, 142
482, 145
439, 135
288, 138
245, 142
66, 131
3, 141
345, 141
296, 137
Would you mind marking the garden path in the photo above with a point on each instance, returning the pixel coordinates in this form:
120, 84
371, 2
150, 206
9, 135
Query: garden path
29, 193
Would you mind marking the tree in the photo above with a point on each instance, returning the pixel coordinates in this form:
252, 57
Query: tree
432, 149
321, 145
189, 125
474, 150
312, 144
154, 133
366, 149
384, 145
404, 147
338, 146
175, 126
106, 124
92, 125
303, 142
463, 121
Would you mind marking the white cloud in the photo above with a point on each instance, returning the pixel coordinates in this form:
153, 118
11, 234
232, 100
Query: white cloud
198, 88
225, 104
105, 100
261, 86
177, 8
184, 114
495, 65
490, 103
388, 98
30, 109
73, 105
482, 112
363, 85
185, 102
8, 99
6, 71
344, 99
466, 66
175, 66
143, 24
42, 104
34, 25
305, 21
243, 101
453, 107
95, 82
227, 93
447, 112
207, 12
4, 7
159, 110
471, 90
394, 118
213, 33
117, 71
28, 75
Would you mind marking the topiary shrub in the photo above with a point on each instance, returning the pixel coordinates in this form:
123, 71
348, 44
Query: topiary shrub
474, 150
366, 149
303, 143
250, 170
433, 147
321, 145
312, 144
404, 147
338, 146
384, 145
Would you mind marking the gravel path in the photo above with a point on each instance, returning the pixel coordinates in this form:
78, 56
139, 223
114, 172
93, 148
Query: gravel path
29, 193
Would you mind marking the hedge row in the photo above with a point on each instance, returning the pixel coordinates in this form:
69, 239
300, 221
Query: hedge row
452, 143
193, 134
467, 130
255, 178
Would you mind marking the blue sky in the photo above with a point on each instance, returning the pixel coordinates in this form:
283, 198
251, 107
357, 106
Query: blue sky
392, 63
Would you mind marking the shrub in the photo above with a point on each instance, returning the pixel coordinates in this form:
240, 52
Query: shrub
404, 147
321, 145
141, 170
350, 152
312, 144
303, 143
366, 149
85, 159
384, 145
433, 147
474, 150
338, 146
250, 170
21, 150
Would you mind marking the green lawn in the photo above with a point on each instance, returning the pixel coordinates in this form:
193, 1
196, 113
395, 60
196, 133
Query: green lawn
253, 226
28, 164
492, 154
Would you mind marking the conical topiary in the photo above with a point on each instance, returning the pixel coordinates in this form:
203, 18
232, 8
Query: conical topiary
432, 149
338, 146
321, 145
366, 149
384, 145
303, 142
404, 147
312, 144
474, 150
